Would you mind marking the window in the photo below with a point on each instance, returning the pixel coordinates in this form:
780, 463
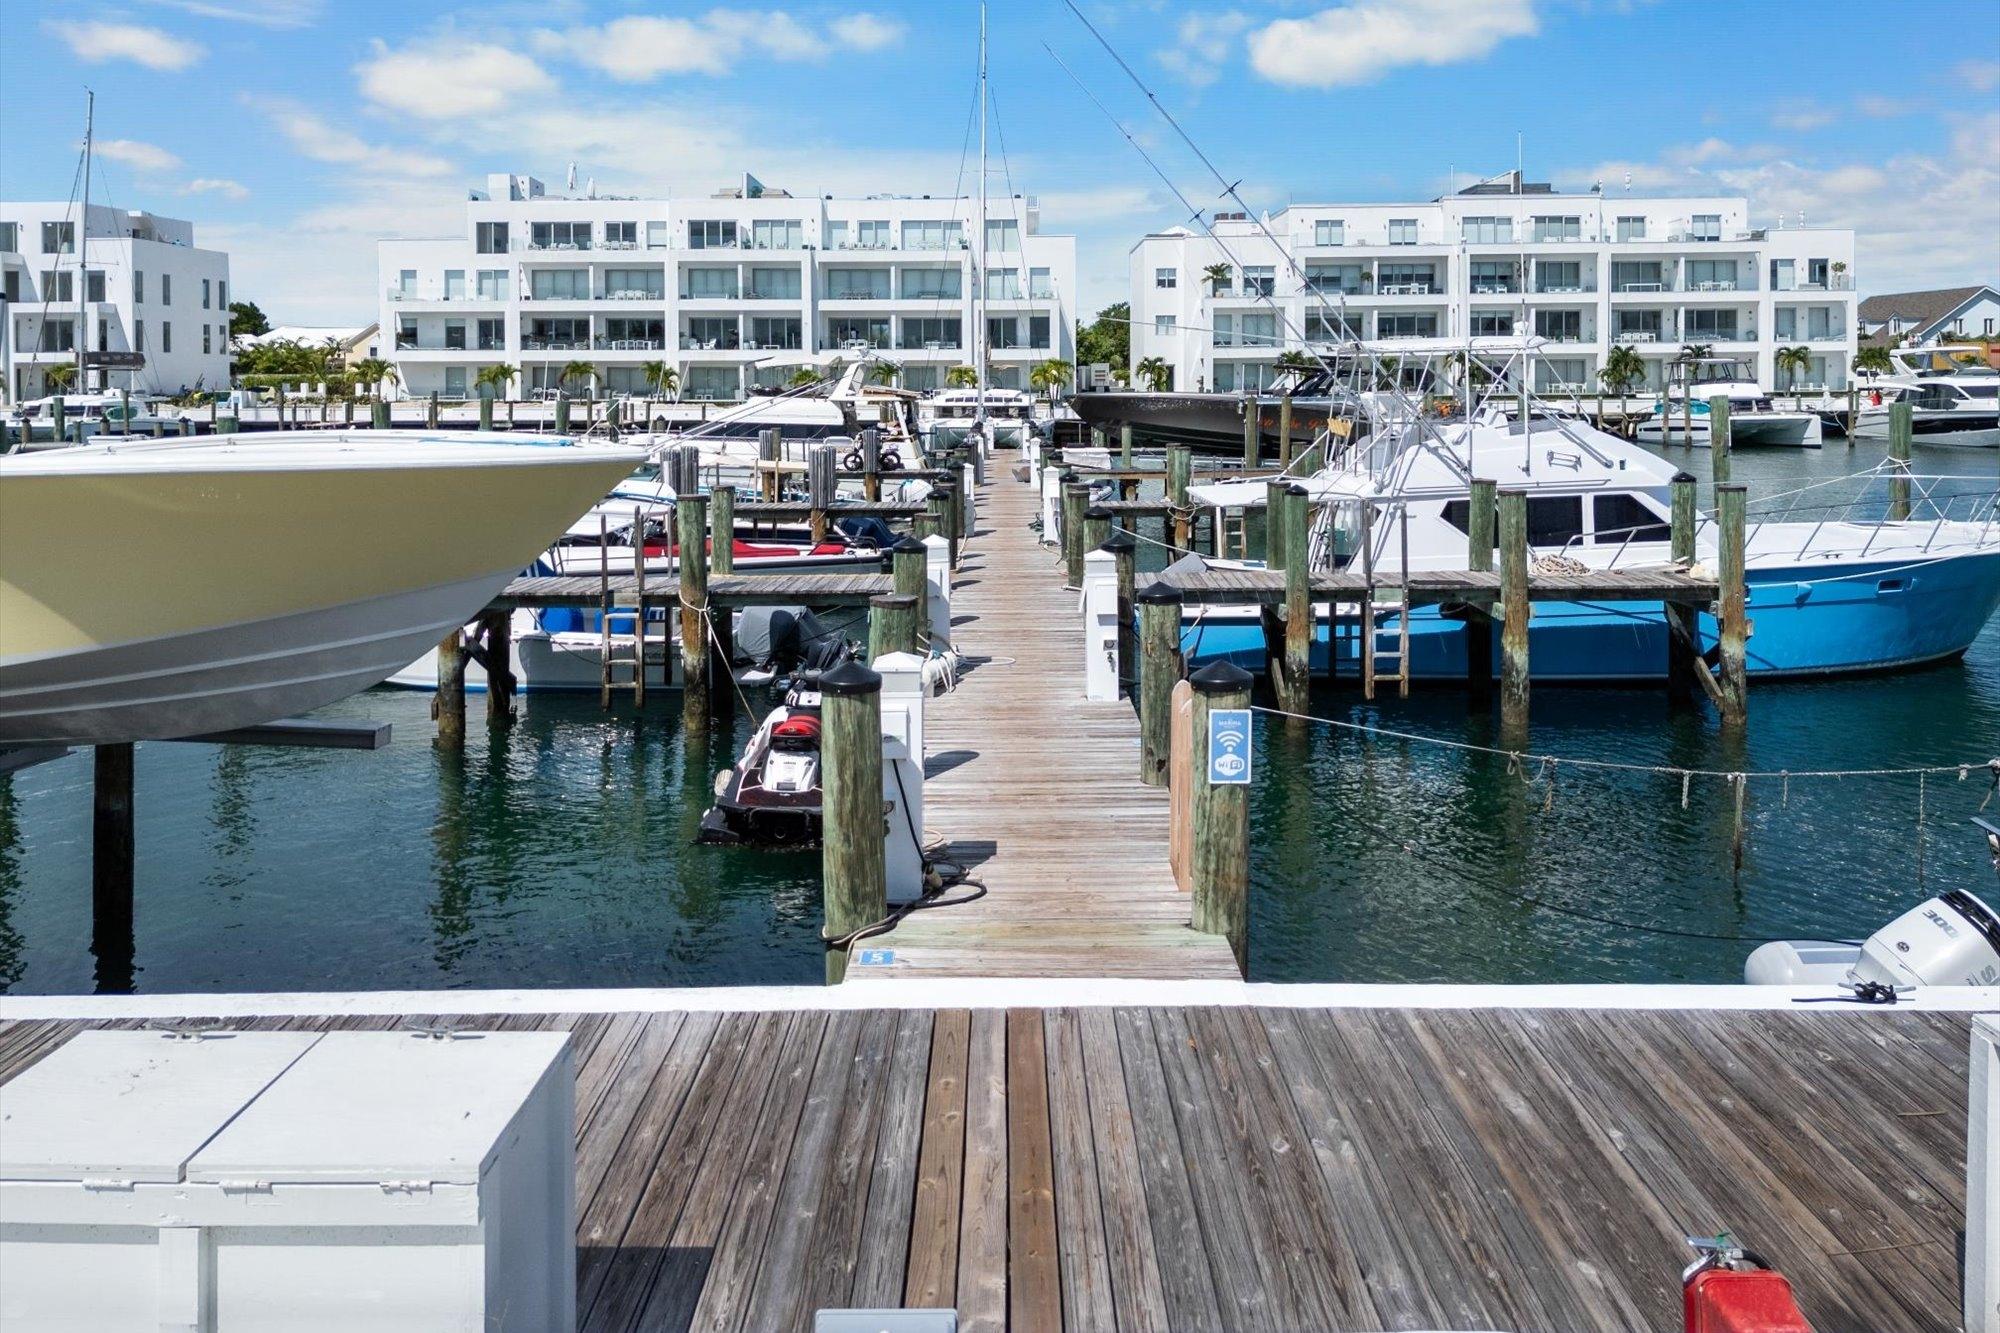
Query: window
1334, 278
1041, 286
454, 335
10, 236
1631, 229
709, 383
1561, 374
10, 285
776, 331
205, 285
557, 335
1003, 333
621, 235
1618, 518
635, 284
166, 336
1563, 276
1487, 231
406, 332
492, 284
1784, 322
222, 295
1557, 229
841, 331
1492, 323
1260, 330
857, 284
1492, 275
1222, 330
659, 234
931, 284
1405, 326
1163, 325
560, 284
490, 238
1166, 279
1003, 234
774, 284
708, 284
58, 238
406, 284
559, 236
1402, 231
139, 336
1820, 324
58, 335
207, 348
492, 335
1710, 326
1784, 275
1329, 231
712, 235
1406, 279
1563, 326
1711, 275
1637, 325
777, 234
454, 284
634, 335
166, 290
1635, 276
1326, 326
60, 287
1038, 332
1554, 520
874, 235
1259, 279
139, 287
921, 333
1003, 284
712, 332
938, 235
1705, 227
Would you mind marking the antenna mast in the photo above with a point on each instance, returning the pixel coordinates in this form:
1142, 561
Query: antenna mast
83, 241
979, 279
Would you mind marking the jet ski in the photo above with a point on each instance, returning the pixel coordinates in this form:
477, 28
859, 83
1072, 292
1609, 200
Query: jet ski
771, 797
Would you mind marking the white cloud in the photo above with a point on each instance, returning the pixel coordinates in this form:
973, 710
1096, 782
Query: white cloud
1873, 104
228, 189
1360, 42
322, 142
261, 13
1802, 116
1979, 75
96, 43
446, 78
135, 154
866, 32
640, 48
1203, 43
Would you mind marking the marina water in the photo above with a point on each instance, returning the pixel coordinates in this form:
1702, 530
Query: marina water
559, 853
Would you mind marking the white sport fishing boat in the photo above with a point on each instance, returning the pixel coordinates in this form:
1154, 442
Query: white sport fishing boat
1754, 422
1960, 411
948, 416
154, 589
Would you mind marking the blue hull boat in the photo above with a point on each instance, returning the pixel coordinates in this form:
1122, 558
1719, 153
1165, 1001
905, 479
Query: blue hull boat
1868, 617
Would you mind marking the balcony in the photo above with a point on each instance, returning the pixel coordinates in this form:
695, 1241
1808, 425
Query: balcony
1636, 336
1406, 289
554, 345
628, 344
1496, 288
550, 247
1559, 287
689, 344
634, 294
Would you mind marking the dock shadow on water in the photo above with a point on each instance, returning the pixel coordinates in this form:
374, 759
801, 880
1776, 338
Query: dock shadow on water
556, 853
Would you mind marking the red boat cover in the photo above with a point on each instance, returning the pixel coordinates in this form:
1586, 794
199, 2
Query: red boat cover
799, 726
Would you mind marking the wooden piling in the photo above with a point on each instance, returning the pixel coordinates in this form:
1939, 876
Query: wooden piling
1514, 605
771, 453
1075, 499
1292, 682
227, 425
1125, 445
892, 624
562, 416
908, 574
1733, 626
1718, 439
1221, 861
378, 414
722, 530
1683, 642
820, 485
112, 863
58, 419
1252, 427
853, 865
485, 408
1853, 411
449, 706
496, 636
1480, 521
931, 523
1096, 532
1180, 465
1274, 522
1285, 432
1159, 671
691, 519
871, 464
1902, 429
1125, 559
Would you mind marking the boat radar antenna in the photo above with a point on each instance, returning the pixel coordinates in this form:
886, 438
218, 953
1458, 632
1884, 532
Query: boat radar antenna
83, 243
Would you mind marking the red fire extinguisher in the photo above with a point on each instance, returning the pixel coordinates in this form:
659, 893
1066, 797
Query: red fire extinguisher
1729, 1289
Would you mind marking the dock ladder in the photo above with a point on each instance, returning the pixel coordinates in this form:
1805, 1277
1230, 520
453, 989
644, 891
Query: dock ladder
621, 658
1379, 601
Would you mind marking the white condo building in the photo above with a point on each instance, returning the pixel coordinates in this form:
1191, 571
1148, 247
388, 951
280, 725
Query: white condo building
155, 307
1587, 271
714, 285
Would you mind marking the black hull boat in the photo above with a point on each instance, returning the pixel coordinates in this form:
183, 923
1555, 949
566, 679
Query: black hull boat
1209, 423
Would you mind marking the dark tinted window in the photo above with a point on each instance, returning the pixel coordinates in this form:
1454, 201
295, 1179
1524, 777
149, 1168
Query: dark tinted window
1458, 513
1613, 516
1554, 519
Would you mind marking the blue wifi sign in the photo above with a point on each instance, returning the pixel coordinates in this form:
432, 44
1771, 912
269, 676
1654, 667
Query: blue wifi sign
1229, 747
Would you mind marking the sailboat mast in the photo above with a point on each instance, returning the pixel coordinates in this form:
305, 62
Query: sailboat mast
979, 279
83, 240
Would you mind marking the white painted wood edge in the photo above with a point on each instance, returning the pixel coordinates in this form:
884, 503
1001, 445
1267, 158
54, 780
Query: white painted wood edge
978, 993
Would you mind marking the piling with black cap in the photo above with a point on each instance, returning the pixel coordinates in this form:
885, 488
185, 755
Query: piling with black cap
853, 868
1221, 860
1683, 643
1096, 531
1159, 670
1125, 556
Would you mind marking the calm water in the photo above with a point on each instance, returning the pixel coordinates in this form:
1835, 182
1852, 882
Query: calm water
558, 854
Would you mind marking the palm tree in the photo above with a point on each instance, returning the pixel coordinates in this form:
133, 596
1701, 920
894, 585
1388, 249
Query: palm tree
803, 376
1050, 375
1295, 361
578, 370
499, 376
1470, 369
885, 372
961, 377
1623, 368
1873, 361
1793, 362
1159, 376
661, 378
58, 377
1218, 277
371, 371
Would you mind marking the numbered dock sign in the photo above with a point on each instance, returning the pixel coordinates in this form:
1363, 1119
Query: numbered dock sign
1229, 747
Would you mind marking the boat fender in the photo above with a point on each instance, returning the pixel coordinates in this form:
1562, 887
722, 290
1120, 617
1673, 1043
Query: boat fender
1729, 1289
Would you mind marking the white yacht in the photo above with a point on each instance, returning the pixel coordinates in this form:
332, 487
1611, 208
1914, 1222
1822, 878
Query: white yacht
1960, 411
1754, 422
947, 415
33, 422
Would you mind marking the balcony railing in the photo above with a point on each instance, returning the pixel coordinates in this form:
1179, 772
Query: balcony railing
692, 344
1406, 289
635, 294
711, 296
546, 246
1495, 288
629, 344
1636, 336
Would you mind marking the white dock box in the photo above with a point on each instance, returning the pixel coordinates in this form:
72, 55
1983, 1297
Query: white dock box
290, 1181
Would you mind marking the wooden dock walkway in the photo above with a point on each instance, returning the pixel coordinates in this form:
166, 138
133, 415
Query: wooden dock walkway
1037, 790
1247, 1168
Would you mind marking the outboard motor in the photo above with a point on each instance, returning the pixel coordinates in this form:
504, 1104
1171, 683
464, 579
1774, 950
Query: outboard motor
1951, 940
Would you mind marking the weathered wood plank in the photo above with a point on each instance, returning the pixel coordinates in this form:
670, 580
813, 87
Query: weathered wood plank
1079, 1211
932, 1280
1034, 1276
892, 1183
982, 1226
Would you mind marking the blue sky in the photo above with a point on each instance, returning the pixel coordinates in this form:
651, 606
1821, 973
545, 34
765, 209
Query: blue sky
297, 132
